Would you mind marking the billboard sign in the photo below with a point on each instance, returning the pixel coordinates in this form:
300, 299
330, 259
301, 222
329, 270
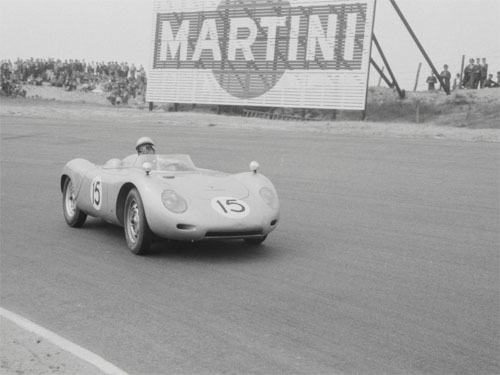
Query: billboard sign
285, 53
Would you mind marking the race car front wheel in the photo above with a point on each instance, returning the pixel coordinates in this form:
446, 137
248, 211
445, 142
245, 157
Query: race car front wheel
72, 214
136, 227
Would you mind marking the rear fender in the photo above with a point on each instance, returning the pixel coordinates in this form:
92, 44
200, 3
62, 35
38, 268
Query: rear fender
75, 170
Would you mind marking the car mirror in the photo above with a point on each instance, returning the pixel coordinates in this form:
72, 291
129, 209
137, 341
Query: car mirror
147, 167
254, 166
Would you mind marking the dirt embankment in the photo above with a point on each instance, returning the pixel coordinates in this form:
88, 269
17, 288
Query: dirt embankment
474, 109
470, 115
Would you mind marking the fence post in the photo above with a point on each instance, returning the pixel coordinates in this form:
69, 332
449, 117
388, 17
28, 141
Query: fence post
462, 69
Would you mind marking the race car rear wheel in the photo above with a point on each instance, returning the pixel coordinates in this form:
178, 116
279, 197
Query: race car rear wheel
136, 227
255, 241
72, 214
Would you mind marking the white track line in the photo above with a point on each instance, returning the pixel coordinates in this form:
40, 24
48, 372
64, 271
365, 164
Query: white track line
64, 344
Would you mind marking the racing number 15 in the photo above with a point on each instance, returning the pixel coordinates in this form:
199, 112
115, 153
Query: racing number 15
96, 193
230, 205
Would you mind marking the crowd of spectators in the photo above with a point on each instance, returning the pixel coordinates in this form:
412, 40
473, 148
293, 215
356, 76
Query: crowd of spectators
475, 76
118, 80
121, 81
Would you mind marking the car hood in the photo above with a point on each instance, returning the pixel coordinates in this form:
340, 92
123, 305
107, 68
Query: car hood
208, 186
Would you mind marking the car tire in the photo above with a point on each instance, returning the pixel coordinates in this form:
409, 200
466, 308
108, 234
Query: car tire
72, 214
255, 241
137, 232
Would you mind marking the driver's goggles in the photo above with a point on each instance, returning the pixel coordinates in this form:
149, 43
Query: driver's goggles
145, 148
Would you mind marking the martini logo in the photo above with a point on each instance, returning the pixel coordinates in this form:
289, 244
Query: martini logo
250, 44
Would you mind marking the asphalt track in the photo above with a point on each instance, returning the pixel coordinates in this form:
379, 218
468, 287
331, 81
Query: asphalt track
386, 259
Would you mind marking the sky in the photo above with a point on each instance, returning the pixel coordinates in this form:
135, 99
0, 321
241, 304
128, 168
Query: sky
121, 30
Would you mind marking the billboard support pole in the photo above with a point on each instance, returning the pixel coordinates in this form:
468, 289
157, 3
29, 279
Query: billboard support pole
381, 72
401, 93
420, 47
380, 78
364, 113
418, 75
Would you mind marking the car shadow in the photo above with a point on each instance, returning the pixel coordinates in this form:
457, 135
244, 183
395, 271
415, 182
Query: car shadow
211, 251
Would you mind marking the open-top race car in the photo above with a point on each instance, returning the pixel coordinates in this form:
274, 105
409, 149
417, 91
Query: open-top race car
167, 196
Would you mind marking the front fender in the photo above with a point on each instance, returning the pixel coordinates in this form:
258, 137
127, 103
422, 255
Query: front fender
254, 181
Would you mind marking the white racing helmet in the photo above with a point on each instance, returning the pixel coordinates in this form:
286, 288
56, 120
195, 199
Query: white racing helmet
145, 141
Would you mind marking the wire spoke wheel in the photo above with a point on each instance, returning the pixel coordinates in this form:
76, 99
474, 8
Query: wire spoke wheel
136, 228
72, 214
70, 200
133, 222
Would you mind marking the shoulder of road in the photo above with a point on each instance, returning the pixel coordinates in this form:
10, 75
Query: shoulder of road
27, 348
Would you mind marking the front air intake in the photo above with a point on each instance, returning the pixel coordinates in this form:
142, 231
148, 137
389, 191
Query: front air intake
186, 227
233, 234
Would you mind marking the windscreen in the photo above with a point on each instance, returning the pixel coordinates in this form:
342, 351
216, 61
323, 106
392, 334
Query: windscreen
166, 163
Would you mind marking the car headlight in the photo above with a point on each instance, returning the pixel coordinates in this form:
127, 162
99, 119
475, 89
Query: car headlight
173, 201
269, 196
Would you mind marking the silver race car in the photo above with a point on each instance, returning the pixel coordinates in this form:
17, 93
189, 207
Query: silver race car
167, 196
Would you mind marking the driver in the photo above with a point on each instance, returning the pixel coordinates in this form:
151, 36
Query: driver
145, 146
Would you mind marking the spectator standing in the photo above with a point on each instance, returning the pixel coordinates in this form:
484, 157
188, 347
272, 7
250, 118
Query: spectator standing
468, 79
125, 69
476, 74
15, 68
484, 72
90, 69
446, 78
142, 75
457, 82
431, 82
